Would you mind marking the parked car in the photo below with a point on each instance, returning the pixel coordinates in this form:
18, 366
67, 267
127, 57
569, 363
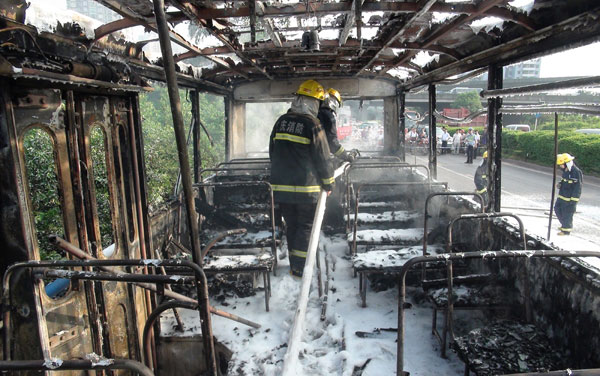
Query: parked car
518, 127
588, 131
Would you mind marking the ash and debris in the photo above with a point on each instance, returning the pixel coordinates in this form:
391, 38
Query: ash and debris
222, 287
505, 347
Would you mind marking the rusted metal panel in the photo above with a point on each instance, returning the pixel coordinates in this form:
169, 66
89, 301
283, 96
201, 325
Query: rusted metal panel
118, 310
43, 108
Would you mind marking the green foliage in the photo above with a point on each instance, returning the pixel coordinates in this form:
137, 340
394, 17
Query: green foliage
43, 183
538, 147
98, 154
571, 121
160, 147
470, 100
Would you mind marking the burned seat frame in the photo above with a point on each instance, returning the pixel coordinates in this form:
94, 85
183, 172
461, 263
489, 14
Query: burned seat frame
450, 306
257, 263
364, 271
446, 257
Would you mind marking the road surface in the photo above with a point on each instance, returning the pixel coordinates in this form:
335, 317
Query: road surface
527, 191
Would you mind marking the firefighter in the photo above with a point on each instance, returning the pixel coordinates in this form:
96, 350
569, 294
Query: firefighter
328, 118
481, 181
300, 168
569, 191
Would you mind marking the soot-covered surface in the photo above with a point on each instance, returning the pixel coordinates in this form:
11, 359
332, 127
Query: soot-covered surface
506, 347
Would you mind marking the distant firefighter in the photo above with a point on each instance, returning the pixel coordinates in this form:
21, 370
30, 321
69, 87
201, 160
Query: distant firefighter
569, 191
481, 180
328, 118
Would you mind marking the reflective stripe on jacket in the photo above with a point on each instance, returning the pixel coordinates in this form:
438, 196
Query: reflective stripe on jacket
299, 159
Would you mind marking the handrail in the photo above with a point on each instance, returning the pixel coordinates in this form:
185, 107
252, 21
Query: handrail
233, 163
73, 250
155, 314
264, 169
201, 286
541, 88
55, 364
460, 256
567, 372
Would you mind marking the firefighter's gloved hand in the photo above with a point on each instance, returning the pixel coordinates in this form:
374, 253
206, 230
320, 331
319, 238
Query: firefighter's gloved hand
328, 188
348, 157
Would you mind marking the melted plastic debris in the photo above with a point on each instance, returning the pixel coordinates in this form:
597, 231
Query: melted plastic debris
238, 261
225, 286
441, 17
45, 16
155, 262
386, 217
523, 5
507, 347
53, 363
423, 58
98, 360
487, 23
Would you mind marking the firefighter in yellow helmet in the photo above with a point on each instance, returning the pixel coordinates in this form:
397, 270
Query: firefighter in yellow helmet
569, 191
328, 118
481, 181
300, 168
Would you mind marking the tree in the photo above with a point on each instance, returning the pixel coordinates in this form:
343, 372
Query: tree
469, 100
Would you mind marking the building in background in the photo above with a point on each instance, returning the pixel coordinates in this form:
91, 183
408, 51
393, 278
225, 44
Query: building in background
526, 69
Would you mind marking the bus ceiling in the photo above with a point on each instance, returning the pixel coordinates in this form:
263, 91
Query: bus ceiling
245, 45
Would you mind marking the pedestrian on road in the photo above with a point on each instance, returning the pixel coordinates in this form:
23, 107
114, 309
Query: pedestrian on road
456, 142
300, 168
445, 137
477, 140
481, 180
569, 191
328, 118
470, 142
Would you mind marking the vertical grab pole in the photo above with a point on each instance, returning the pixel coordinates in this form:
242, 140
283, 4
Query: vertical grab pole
402, 132
175, 101
553, 174
432, 136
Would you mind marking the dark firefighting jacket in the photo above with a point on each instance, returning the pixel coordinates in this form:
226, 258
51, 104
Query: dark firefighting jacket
299, 159
570, 185
481, 180
328, 121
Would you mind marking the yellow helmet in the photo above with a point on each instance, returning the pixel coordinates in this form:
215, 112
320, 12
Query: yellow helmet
485, 154
564, 158
336, 94
312, 88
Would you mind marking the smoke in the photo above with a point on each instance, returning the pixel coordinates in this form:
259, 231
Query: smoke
260, 118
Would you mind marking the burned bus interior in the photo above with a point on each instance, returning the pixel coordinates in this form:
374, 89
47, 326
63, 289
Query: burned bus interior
103, 275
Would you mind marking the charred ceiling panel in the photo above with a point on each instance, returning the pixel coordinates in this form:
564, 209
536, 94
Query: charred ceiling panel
254, 40
348, 88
